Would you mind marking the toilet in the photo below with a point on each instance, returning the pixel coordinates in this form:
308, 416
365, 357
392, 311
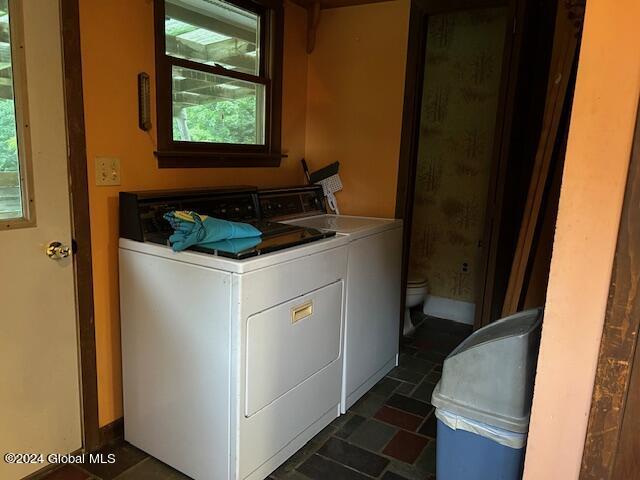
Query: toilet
416, 295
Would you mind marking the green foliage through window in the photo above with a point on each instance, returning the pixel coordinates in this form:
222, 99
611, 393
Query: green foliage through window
10, 186
221, 122
8, 141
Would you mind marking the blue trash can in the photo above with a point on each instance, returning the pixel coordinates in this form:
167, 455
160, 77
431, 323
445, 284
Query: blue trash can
471, 450
483, 401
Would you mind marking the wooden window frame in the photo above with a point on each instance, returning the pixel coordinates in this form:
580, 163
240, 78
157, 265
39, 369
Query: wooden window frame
182, 154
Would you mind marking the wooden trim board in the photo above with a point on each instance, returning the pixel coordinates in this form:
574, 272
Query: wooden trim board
81, 231
112, 432
565, 47
612, 441
502, 143
414, 77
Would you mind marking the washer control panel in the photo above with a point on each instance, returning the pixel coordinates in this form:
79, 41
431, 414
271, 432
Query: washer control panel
281, 204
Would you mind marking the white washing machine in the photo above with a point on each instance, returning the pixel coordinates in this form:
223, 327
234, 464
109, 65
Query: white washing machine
232, 359
373, 282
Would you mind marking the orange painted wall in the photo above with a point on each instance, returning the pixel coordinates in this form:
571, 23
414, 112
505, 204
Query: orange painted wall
603, 117
355, 99
117, 44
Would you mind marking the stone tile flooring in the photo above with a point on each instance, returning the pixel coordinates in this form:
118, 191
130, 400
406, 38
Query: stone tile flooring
389, 434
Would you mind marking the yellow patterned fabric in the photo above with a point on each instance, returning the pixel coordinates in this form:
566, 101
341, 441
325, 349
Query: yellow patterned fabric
187, 216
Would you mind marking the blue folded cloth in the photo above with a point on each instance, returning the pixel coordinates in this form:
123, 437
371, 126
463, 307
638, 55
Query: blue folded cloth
233, 245
191, 228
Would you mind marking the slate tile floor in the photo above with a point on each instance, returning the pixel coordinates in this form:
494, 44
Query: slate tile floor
389, 434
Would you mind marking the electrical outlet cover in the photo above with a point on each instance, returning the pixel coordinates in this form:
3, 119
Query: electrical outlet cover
107, 171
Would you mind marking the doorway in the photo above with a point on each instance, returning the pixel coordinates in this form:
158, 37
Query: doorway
48, 381
460, 97
479, 106
478, 192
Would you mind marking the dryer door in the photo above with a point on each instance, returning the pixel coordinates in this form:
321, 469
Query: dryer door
289, 343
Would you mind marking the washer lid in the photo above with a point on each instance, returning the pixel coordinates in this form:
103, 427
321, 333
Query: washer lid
349, 225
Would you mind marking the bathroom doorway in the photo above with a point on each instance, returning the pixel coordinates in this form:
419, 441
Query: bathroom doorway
461, 92
476, 103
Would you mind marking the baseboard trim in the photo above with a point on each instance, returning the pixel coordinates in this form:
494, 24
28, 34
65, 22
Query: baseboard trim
50, 468
447, 308
112, 432
43, 472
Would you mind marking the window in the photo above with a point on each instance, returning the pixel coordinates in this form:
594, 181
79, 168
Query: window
16, 202
219, 82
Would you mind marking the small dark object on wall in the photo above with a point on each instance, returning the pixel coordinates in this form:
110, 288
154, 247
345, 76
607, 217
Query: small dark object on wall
324, 172
144, 102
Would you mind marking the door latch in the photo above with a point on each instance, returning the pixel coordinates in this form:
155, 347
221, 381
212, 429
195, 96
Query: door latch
58, 251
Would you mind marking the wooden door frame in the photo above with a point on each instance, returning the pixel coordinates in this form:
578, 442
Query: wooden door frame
494, 209
414, 79
614, 418
80, 220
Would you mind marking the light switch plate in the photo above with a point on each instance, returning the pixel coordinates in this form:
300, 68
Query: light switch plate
107, 171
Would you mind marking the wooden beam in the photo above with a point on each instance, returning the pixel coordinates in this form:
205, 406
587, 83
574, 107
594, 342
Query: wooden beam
231, 51
409, 141
201, 83
77, 154
208, 23
565, 46
614, 419
206, 95
234, 52
195, 84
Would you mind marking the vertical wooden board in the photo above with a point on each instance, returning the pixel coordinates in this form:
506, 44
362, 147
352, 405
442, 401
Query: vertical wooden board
565, 46
627, 460
78, 184
535, 285
409, 138
611, 443
530, 63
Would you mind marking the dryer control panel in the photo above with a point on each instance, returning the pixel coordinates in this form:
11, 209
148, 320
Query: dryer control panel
291, 202
141, 212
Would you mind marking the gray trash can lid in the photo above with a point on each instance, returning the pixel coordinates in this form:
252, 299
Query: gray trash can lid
489, 376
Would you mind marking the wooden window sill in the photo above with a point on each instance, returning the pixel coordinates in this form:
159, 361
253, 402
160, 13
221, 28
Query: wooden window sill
177, 159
